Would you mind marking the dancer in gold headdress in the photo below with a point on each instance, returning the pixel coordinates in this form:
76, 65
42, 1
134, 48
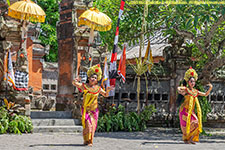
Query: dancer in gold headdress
190, 124
90, 104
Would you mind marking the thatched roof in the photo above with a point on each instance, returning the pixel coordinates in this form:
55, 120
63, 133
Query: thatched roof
158, 42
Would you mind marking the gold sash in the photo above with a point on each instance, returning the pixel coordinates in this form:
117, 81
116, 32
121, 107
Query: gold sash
89, 96
193, 99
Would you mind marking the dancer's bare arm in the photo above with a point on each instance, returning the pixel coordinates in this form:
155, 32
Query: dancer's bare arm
206, 93
106, 93
76, 82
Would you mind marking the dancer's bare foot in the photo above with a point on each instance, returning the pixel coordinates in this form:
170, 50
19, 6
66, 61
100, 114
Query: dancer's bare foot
191, 140
186, 142
90, 144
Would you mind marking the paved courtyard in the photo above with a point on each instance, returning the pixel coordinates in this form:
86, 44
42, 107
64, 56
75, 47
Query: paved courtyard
153, 138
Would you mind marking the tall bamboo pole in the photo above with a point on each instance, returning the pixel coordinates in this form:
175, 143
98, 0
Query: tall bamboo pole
140, 49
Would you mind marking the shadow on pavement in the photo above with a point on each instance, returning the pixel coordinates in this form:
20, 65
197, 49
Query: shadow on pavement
164, 143
154, 135
75, 145
179, 142
211, 141
140, 136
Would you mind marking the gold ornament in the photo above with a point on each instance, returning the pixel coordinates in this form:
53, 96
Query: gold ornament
190, 73
95, 70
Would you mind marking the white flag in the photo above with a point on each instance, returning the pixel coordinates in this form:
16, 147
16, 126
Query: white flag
9, 75
105, 79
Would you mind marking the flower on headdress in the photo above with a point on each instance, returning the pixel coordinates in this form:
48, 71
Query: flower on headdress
190, 73
22, 55
95, 70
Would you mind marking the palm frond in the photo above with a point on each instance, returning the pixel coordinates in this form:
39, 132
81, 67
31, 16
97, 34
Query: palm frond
8, 1
146, 83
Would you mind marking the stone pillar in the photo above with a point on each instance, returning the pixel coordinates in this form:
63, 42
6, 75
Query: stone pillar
65, 31
69, 41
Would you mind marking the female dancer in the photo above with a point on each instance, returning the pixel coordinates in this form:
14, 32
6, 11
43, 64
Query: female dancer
191, 125
90, 104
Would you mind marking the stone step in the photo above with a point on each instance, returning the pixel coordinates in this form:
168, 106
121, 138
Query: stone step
66, 129
55, 122
50, 114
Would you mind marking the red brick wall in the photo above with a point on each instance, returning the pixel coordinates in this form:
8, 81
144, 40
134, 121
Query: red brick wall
35, 68
66, 56
65, 61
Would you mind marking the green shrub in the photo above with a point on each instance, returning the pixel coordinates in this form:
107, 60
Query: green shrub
13, 123
117, 120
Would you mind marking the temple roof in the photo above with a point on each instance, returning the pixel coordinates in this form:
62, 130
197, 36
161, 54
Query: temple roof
157, 43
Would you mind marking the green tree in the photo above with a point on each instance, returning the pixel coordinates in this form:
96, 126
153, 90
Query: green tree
204, 25
48, 35
130, 23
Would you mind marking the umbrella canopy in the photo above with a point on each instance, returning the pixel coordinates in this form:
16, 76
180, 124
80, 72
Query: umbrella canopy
26, 10
95, 20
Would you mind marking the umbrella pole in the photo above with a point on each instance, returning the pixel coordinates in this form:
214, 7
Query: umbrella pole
24, 35
6, 87
90, 41
91, 37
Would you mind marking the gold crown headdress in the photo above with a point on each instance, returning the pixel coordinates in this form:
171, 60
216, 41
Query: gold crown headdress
95, 70
190, 73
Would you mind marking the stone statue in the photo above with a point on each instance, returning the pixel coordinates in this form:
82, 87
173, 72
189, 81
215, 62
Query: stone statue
22, 61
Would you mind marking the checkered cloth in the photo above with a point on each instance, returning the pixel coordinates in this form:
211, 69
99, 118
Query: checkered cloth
83, 76
21, 80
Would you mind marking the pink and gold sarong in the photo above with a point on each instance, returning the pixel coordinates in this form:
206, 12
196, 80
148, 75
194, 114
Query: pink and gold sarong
190, 124
91, 120
90, 113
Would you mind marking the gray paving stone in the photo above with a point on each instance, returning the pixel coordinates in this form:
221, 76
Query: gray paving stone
153, 138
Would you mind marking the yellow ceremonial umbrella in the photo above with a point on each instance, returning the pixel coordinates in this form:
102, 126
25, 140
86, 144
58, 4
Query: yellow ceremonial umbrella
95, 20
26, 10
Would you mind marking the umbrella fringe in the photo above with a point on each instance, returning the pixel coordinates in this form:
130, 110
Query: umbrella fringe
93, 25
26, 16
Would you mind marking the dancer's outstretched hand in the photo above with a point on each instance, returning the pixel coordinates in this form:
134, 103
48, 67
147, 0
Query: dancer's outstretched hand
210, 85
110, 88
77, 79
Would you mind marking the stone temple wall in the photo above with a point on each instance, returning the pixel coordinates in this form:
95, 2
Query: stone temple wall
159, 97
